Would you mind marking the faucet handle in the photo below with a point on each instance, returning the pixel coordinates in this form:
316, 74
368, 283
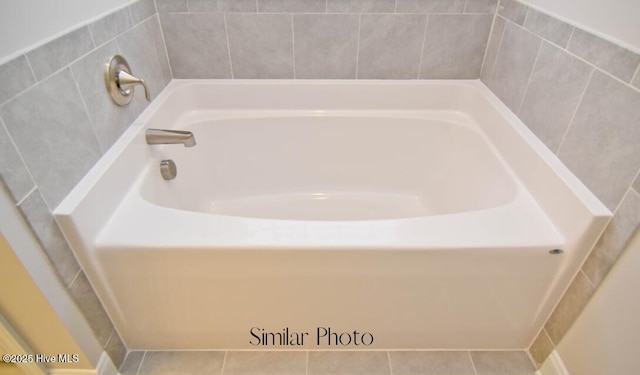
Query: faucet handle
127, 81
120, 82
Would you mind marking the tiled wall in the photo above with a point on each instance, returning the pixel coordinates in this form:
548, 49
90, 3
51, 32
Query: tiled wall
580, 95
577, 92
56, 121
339, 39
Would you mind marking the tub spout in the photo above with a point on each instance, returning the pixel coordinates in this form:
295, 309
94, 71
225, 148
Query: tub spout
163, 137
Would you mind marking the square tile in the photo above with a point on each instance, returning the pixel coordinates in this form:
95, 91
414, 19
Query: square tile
551, 29
614, 240
430, 6
265, 363
553, 94
197, 45
182, 363
52, 130
614, 59
431, 363
12, 168
348, 363
261, 45
495, 38
569, 307
514, 63
44, 226
16, 76
301, 6
502, 363
513, 11
109, 120
110, 26
326, 45
223, 5
85, 297
601, 146
390, 45
55, 55
361, 6
455, 46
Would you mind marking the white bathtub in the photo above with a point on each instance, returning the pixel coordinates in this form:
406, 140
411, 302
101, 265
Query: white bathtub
419, 213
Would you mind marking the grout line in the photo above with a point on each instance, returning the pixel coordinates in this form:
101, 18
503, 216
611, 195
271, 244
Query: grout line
389, 359
86, 108
395, 7
464, 8
74, 278
573, 30
34, 188
575, 111
472, 364
424, 41
224, 362
326, 6
635, 75
293, 47
164, 43
188, 6
257, 7
533, 69
526, 17
31, 69
587, 277
144, 356
486, 47
226, 31
306, 365
24, 163
495, 61
533, 362
358, 45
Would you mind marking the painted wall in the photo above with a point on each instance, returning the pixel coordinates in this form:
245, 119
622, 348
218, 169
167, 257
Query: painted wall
24, 306
604, 339
26, 23
616, 20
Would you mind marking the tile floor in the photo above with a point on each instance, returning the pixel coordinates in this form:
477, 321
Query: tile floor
327, 363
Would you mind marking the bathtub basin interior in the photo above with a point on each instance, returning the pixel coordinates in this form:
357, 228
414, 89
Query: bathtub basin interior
421, 212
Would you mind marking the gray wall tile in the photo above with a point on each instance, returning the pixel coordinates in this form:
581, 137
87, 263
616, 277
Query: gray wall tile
261, 45
52, 130
514, 64
12, 168
116, 349
390, 45
541, 348
326, 45
569, 307
348, 363
261, 362
495, 39
614, 59
222, 5
50, 237
16, 76
168, 6
548, 27
502, 363
432, 363
137, 46
513, 11
636, 80
430, 6
601, 147
191, 363
197, 45
131, 363
291, 5
109, 120
361, 6
555, 89
91, 307
481, 6
56, 54
455, 45
110, 26
614, 239
141, 10
157, 38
